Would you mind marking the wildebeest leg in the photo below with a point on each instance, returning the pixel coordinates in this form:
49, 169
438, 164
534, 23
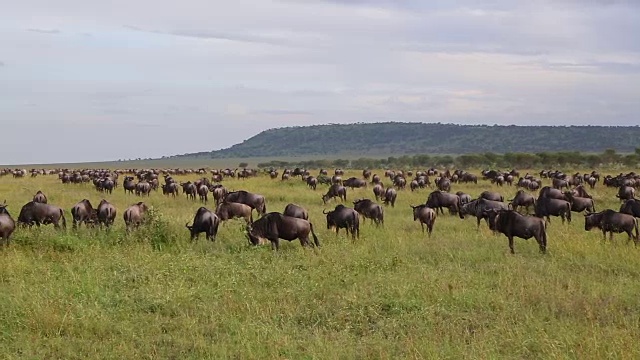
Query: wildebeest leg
275, 244
430, 228
478, 219
511, 244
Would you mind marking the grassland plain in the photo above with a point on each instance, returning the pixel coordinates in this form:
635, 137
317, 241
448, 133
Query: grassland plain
394, 293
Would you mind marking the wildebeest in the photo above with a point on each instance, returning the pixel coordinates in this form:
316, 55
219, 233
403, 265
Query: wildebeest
491, 195
83, 212
203, 193
631, 207
336, 190
369, 210
378, 191
312, 182
443, 184
170, 189
390, 196
522, 199
580, 204
296, 211
7, 224
551, 193
612, 221
255, 201
38, 213
546, 207
480, 207
129, 184
440, 199
190, 189
275, 226
626, 193
219, 192
143, 188
345, 218
426, 215
354, 182
464, 198
513, 224
204, 221
106, 213
231, 210
40, 197
134, 215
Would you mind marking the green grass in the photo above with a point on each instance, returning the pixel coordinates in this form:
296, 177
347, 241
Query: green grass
393, 293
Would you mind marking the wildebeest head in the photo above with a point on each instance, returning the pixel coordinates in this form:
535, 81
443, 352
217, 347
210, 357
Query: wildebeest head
592, 220
3, 208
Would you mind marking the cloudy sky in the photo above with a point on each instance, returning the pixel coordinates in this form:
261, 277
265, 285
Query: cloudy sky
88, 80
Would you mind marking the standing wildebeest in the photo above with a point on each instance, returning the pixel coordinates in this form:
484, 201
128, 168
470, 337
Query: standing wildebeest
190, 189
522, 199
336, 190
344, 217
296, 211
611, 221
546, 207
513, 224
312, 182
7, 225
40, 197
439, 199
369, 209
464, 198
205, 221
626, 193
170, 189
390, 196
480, 207
551, 193
580, 204
203, 193
275, 226
366, 174
255, 201
106, 213
443, 184
134, 215
354, 182
38, 213
426, 215
129, 184
83, 212
219, 192
631, 207
230, 210
378, 191
143, 188
491, 195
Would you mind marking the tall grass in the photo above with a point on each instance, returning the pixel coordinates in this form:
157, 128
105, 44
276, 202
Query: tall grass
393, 293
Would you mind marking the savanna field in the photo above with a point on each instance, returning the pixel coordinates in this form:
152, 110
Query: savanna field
392, 293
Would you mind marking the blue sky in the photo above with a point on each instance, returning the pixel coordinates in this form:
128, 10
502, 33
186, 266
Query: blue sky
90, 81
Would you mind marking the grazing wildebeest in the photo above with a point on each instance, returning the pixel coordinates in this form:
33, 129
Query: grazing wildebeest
344, 217
40, 197
626, 193
378, 191
546, 207
580, 204
491, 195
369, 210
390, 196
480, 207
134, 215
513, 224
231, 210
38, 213
612, 221
426, 215
354, 182
336, 190
83, 212
296, 211
631, 207
522, 199
579, 191
205, 221
439, 199
275, 226
105, 213
255, 201
7, 225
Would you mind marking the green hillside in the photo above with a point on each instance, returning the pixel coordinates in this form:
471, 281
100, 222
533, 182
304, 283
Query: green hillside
422, 138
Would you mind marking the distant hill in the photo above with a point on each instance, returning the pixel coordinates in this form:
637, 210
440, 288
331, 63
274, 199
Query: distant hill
424, 138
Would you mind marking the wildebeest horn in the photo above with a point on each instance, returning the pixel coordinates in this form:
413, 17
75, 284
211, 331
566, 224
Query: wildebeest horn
323, 211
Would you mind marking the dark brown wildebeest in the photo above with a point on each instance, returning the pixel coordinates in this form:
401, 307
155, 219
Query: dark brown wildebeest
491, 195
464, 198
275, 226
106, 213
626, 193
369, 210
612, 221
399, 182
559, 184
440, 199
255, 201
426, 215
522, 199
143, 188
480, 207
38, 213
336, 190
231, 210
414, 185
579, 191
7, 225
190, 189
378, 191
513, 224
170, 189
592, 181
343, 217
134, 215
219, 192
551, 193
631, 207
83, 212
580, 204
205, 221
40, 197
296, 211
354, 182
366, 174
443, 184
375, 179
129, 184
312, 182
546, 207
389, 197
203, 193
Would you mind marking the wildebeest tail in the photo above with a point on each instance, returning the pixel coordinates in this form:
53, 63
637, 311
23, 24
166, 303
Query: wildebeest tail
315, 238
635, 220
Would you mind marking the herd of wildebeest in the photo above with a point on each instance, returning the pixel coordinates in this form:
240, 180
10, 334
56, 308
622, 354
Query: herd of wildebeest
525, 216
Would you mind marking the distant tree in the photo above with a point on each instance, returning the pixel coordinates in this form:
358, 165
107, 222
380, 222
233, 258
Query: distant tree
243, 165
